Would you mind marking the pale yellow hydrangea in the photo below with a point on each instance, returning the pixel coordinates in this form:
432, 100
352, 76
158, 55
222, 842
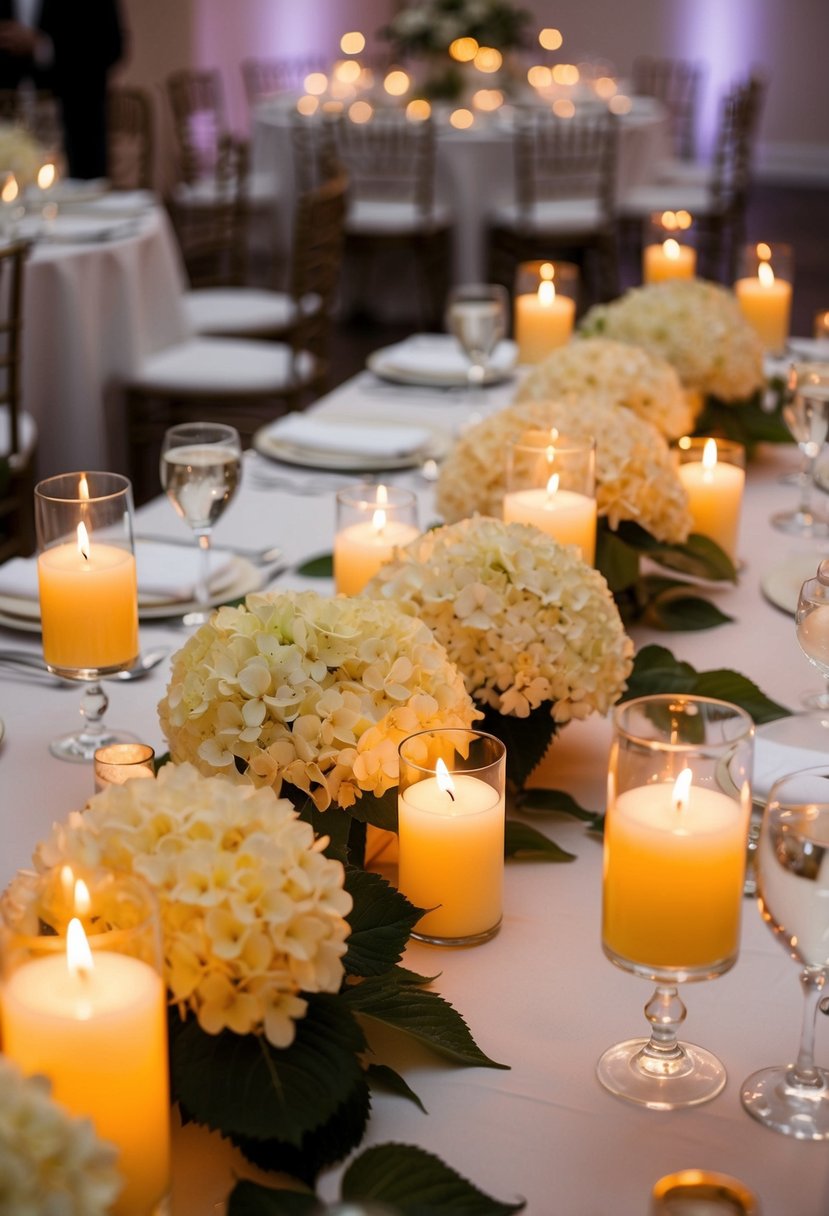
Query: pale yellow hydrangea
20, 153
636, 476
696, 325
311, 691
51, 1163
253, 913
622, 374
525, 620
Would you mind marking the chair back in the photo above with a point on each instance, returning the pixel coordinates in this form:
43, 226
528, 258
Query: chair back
213, 234
677, 83
319, 228
130, 139
565, 159
314, 149
16, 461
389, 159
197, 105
264, 78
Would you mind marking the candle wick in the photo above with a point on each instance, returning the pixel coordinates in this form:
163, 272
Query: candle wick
451, 795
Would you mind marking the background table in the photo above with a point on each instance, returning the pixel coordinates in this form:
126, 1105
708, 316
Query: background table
540, 996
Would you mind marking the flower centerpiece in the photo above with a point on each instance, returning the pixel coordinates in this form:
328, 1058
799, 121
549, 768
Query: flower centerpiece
50, 1162
531, 627
20, 153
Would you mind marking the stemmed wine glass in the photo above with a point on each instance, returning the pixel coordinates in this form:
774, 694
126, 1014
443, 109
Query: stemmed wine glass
806, 414
88, 593
812, 623
201, 464
793, 893
476, 316
679, 796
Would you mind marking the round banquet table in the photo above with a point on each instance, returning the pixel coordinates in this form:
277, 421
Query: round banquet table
93, 310
474, 168
540, 996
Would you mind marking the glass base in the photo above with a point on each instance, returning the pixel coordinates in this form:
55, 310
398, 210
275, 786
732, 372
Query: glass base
815, 700
689, 1078
772, 1099
801, 523
471, 939
80, 746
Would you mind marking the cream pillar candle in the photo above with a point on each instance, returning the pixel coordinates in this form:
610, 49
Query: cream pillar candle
715, 496
670, 260
674, 866
372, 521
96, 1027
766, 302
566, 516
543, 321
451, 832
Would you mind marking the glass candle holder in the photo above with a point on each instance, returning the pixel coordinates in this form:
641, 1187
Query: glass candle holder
689, 1192
88, 592
118, 763
713, 472
668, 251
551, 484
544, 310
821, 325
678, 804
764, 292
83, 1003
372, 521
451, 833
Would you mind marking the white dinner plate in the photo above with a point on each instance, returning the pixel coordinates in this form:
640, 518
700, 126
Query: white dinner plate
274, 448
24, 615
788, 745
781, 584
436, 361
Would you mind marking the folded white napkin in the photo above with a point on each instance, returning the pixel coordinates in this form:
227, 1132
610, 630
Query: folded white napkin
164, 572
322, 434
775, 760
440, 354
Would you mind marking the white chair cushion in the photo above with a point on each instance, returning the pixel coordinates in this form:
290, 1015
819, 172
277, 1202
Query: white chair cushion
223, 365
205, 192
641, 202
567, 215
381, 217
244, 310
27, 437
686, 172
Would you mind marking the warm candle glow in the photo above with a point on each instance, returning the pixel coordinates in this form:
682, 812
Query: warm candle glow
463, 50
681, 796
714, 485
418, 110
550, 39
552, 485
80, 896
546, 292
709, 455
539, 76
352, 43
488, 59
461, 119
563, 107
83, 541
443, 779
347, 71
315, 83
396, 83
360, 112
46, 176
78, 955
10, 189
670, 248
765, 274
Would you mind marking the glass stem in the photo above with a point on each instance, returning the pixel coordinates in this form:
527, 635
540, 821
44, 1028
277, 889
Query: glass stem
806, 485
203, 579
663, 1055
804, 1074
94, 705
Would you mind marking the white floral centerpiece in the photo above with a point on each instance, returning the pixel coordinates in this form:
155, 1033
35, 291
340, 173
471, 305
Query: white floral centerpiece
20, 153
51, 1163
533, 629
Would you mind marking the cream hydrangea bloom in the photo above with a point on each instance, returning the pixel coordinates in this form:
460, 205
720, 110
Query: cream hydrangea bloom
312, 691
621, 373
253, 913
636, 477
696, 325
20, 154
522, 617
51, 1164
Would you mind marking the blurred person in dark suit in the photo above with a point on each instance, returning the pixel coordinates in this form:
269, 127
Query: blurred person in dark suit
69, 49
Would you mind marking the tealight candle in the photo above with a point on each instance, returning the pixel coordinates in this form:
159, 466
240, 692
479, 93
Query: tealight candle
451, 833
713, 474
670, 260
372, 522
545, 308
551, 486
117, 763
764, 294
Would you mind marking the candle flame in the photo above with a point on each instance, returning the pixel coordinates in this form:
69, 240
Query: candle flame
10, 189
671, 249
83, 540
78, 954
552, 485
83, 900
547, 270
763, 251
546, 292
83, 488
46, 176
444, 780
682, 786
765, 274
378, 521
67, 883
382, 496
709, 455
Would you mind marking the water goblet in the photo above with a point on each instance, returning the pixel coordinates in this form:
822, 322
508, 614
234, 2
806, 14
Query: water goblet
679, 796
812, 624
806, 414
201, 465
88, 594
793, 894
476, 316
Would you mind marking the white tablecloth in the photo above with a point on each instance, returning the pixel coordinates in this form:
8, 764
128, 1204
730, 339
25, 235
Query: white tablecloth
92, 312
540, 996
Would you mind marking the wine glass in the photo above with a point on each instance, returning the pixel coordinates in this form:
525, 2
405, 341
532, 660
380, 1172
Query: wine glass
793, 894
476, 316
88, 594
806, 414
679, 796
201, 464
812, 623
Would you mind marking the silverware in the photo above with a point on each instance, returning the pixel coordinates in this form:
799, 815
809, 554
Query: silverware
259, 557
33, 663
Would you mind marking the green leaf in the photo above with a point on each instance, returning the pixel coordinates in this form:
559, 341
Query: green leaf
321, 566
656, 670
758, 419
526, 739
674, 606
416, 1183
243, 1086
334, 823
424, 1015
252, 1199
698, 556
617, 561
378, 810
382, 1077
731, 686
538, 799
523, 841
381, 921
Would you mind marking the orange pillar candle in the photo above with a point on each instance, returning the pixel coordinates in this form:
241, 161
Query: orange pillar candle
543, 321
566, 516
670, 260
715, 495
